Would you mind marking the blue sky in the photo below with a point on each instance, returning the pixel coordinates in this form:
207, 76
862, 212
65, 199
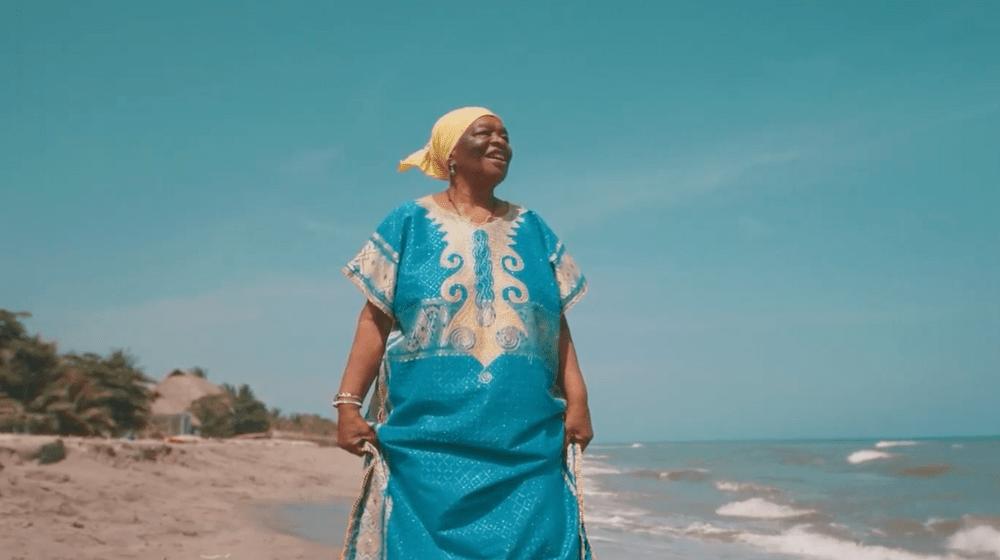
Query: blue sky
788, 212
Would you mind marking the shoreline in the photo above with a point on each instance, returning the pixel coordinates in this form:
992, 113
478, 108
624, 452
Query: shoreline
147, 499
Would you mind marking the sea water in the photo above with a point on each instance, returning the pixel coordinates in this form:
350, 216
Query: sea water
926, 499
837, 500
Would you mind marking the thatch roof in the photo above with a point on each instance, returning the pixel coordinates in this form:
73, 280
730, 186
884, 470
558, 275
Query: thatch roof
178, 390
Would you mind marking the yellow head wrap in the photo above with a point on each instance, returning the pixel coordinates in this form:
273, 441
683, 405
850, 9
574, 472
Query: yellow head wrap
433, 159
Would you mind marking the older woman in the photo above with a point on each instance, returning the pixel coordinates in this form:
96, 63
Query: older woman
480, 408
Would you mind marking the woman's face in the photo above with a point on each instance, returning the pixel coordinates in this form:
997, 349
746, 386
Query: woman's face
483, 153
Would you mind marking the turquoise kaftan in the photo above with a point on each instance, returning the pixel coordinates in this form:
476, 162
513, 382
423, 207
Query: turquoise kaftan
467, 409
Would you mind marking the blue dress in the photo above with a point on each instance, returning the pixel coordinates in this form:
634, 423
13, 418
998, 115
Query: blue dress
467, 408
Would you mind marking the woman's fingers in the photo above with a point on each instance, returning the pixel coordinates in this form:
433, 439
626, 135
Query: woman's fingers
582, 438
357, 446
359, 443
578, 427
353, 431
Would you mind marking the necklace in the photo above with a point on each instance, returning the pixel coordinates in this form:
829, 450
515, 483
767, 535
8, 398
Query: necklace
493, 210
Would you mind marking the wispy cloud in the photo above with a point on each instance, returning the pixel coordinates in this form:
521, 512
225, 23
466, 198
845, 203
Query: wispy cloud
315, 162
595, 199
754, 228
809, 149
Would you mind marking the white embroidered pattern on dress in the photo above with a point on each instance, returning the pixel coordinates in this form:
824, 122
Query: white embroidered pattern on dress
568, 277
366, 529
373, 270
482, 263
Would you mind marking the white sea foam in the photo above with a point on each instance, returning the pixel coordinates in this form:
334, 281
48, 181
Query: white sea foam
590, 469
981, 539
801, 542
590, 492
759, 508
866, 455
623, 519
730, 486
706, 530
890, 443
596, 538
637, 445
688, 475
591, 489
937, 524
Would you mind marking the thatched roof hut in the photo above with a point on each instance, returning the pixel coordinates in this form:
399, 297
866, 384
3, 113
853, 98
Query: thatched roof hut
177, 391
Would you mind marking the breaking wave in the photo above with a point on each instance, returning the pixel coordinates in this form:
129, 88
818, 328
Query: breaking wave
891, 443
687, 475
800, 541
759, 508
981, 539
866, 455
745, 487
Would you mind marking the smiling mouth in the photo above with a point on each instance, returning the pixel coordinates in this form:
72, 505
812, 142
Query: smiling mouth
497, 157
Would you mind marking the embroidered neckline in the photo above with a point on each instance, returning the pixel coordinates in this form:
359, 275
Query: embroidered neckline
510, 214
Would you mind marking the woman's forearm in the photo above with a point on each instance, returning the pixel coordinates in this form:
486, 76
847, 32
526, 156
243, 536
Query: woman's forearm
570, 375
577, 422
366, 351
353, 432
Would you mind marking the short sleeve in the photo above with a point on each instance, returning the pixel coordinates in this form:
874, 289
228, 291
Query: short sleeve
571, 282
374, 269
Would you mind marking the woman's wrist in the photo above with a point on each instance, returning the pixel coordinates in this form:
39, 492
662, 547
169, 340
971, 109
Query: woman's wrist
347, 399
578, 408
577, 401
348, 409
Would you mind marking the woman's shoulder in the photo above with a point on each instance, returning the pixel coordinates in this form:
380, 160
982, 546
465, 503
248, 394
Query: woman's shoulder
527, 216
408, 207
403, 213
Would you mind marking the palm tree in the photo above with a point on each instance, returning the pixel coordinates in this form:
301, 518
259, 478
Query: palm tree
27, 364
75, 394
93, 395
235, 412
250, 414
74, 404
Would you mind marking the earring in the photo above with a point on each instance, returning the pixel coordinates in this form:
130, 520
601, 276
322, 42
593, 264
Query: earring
451, 168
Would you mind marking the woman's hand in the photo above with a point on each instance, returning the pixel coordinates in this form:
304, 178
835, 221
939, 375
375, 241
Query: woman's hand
578, 427
577, 416
353, 430
362, 366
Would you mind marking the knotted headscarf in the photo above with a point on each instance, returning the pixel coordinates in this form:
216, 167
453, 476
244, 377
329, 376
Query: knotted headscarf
433, 159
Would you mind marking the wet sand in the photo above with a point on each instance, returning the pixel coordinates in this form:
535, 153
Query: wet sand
151, 500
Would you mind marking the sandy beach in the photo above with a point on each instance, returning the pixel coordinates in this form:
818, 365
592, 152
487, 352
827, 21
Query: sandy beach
148, 499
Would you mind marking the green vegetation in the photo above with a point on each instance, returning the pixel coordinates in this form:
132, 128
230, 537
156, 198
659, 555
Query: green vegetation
234, 413
93, 395
307, 423
43, 392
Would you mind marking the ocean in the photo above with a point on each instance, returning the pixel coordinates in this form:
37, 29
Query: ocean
924, 499
837, 500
